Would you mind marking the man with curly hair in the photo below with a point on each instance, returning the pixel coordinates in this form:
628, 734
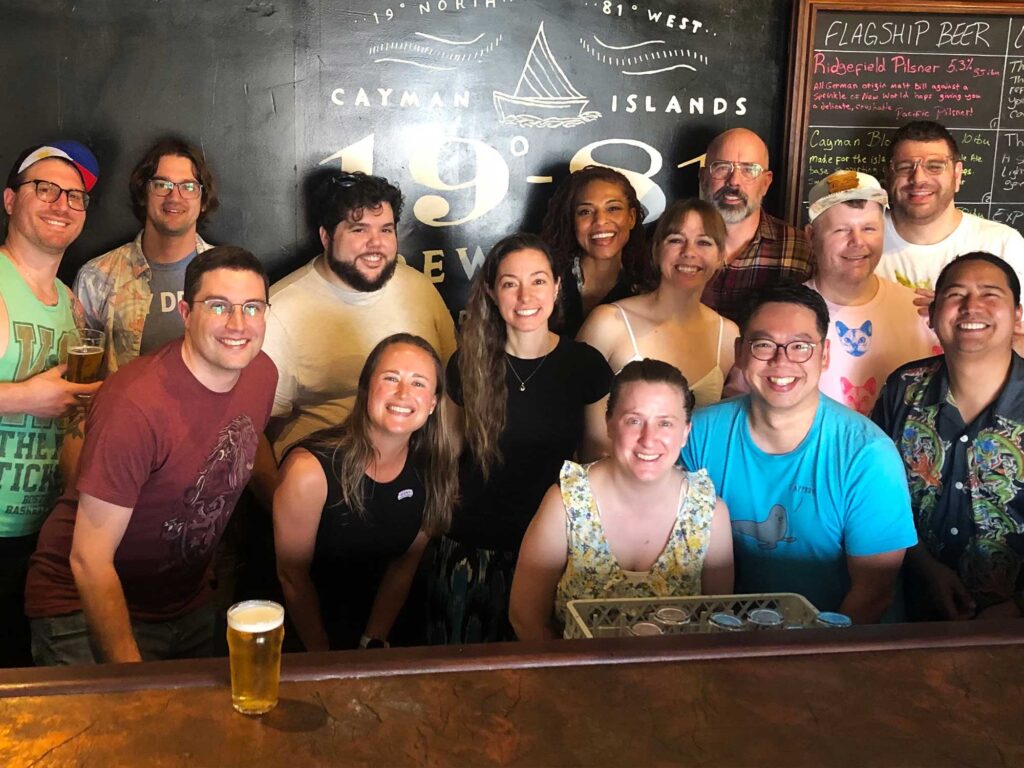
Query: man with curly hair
132, 292
331, 312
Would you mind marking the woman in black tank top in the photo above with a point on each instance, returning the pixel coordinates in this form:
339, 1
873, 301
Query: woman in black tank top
356, 503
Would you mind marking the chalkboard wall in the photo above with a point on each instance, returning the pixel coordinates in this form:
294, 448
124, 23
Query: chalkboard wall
869, 72
477, 108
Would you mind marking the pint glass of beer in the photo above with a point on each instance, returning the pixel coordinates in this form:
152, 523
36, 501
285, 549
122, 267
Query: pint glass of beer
85, 355
255, 632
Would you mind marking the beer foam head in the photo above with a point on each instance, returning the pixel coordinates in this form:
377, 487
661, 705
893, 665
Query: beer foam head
255, 616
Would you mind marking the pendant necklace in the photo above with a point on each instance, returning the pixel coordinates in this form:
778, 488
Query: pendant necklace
522, 381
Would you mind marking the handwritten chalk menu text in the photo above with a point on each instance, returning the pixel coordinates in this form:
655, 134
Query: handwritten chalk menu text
870, 72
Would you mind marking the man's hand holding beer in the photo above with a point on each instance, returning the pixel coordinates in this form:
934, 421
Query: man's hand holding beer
46, 395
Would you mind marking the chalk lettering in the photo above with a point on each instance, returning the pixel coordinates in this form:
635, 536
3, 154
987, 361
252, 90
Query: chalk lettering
963, 34
841, 34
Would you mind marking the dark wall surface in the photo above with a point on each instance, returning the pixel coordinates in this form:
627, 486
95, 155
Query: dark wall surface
472, 109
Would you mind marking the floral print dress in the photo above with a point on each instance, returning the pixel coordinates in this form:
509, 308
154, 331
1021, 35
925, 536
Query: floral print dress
592, 570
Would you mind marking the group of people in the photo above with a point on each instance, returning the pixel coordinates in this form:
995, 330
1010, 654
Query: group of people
571, 440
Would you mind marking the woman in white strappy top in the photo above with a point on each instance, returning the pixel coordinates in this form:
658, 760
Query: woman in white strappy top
670, 323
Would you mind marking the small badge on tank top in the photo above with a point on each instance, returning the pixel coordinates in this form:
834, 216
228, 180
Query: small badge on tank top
406, 494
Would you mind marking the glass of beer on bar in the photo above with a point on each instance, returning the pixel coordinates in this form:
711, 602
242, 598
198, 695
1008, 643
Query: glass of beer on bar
255, 632
85, 355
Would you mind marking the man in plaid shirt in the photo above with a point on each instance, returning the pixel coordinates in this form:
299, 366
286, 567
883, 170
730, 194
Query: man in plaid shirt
759, 248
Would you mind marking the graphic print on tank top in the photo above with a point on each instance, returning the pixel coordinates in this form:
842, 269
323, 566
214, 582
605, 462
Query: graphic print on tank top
211, 498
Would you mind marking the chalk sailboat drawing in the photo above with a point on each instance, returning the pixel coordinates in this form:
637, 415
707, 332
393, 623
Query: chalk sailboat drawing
544, 97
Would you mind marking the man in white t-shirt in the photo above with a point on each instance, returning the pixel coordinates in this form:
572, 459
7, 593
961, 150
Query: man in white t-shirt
328, 315
924, 229
874, 326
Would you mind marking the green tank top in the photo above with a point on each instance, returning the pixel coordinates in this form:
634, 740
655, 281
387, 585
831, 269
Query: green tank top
29, 446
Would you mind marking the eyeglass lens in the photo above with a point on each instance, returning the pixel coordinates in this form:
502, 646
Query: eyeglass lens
722, 169
933, 166
189, 190
48, 192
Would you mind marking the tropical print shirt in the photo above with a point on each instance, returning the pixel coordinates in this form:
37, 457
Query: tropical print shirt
966, 480
115, 293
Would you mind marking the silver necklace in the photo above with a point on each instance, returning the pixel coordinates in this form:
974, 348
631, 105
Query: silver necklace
522, 381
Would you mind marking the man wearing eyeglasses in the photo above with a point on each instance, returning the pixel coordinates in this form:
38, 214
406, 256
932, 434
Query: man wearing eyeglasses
816, 492
874, 326
132, 292
925, 230
45, 198
121, 573
760, 249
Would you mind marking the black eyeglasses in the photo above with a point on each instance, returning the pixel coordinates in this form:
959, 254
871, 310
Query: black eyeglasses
189, 190
223, 308
795, 351
722, 169
49, 192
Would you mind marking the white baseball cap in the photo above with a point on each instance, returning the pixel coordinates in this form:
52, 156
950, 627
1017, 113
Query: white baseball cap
841, 186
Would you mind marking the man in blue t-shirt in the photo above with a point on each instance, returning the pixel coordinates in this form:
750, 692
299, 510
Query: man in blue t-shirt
816, 492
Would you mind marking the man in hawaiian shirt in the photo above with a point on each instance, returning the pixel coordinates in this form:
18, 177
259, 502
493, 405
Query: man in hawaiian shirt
132, 292
958, 422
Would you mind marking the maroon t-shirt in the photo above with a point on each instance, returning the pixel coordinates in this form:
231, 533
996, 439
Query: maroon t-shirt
179, 455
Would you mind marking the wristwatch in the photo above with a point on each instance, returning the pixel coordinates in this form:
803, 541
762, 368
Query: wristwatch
373, 642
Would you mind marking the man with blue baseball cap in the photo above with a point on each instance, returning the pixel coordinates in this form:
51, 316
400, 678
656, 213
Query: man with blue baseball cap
45, 198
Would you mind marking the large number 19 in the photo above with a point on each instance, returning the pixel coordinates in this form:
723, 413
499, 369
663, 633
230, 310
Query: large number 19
489, 181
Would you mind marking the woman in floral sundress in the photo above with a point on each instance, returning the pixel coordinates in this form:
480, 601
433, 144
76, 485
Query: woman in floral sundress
631, 525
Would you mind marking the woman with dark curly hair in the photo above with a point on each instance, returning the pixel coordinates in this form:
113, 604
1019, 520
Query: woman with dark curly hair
526, 399
594, 228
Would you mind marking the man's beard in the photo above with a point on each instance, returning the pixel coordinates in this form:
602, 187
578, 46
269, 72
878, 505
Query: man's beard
351, 275
732, 213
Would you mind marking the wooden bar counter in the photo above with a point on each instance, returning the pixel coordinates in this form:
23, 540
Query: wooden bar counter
900, 695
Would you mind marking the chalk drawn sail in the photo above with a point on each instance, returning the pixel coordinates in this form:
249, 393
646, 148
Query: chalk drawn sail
544, 97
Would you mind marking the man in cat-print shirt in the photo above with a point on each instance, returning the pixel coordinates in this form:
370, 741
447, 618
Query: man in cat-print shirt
875, 327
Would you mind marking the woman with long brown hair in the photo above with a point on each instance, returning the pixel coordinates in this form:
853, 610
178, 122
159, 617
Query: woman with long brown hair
594, 228
526, 400
670, 323
356, 504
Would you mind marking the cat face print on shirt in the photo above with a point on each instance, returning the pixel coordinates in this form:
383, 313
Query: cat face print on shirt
854, 341
860, 397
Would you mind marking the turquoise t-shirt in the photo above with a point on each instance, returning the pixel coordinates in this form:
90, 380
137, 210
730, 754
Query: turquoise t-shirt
795, 516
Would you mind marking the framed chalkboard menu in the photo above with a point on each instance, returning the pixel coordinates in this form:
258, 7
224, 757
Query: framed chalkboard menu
860, 70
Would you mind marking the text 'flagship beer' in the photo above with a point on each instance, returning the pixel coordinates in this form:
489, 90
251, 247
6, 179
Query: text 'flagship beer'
255, 632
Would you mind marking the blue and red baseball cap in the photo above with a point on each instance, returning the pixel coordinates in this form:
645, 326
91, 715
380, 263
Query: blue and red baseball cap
74, 152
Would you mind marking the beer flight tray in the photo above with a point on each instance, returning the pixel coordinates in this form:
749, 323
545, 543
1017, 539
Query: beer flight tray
621, 617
